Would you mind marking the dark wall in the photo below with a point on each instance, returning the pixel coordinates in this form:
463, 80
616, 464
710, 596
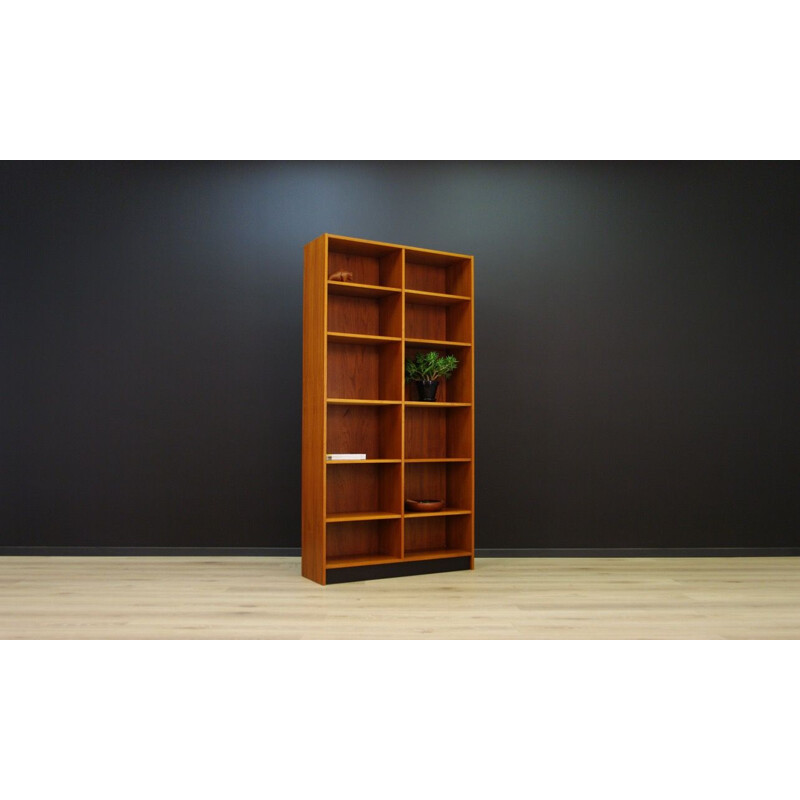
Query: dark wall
637, 346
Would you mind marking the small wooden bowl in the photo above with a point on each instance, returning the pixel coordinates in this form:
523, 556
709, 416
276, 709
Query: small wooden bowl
424, 505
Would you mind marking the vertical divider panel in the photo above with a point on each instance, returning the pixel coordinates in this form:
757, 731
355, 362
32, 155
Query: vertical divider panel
403, 403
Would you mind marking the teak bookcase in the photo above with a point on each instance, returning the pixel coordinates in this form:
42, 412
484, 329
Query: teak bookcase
356, 337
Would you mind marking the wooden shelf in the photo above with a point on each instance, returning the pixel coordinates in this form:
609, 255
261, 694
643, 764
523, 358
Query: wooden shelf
360, 338
360, 561
434, 298
434, 343
356, 338
436, 404
344, 401
360, 516
361, 289
438, 460
446, 512
363, 461
424, 555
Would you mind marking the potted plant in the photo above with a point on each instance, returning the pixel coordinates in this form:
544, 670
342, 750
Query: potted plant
427, 369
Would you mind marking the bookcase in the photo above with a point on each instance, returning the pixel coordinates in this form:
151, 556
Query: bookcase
357, 335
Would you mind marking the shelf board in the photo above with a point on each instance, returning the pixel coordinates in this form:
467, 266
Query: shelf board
360, 338
446, 512
360, 560
423, 555
436, 404
364, 461
438, 460
349, 401
434, 298
434, 343
360, 516
361, 289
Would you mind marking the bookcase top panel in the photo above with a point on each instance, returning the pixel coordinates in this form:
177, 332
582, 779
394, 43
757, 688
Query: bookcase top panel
352, 244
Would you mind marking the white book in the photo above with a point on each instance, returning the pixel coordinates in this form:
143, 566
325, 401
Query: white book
347, 456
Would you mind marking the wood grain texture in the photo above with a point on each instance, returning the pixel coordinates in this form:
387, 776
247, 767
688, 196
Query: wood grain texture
365, 371
390, 371
358, 401
426, 482
360, 516
354, 314
429, 554
438, 404
433, 298
372, 263
425, 533
368, 316
426, 321
465, 386
403, 323
433, 272
349, 541
313, 426
354, 372
436, 432
365, 269
364, 488
445, 512
443, 322
374, 430
520, 598
425, 432
360, 338
359, 290
451, 482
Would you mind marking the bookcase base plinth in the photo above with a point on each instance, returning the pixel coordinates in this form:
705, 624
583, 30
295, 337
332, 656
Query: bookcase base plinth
398, 569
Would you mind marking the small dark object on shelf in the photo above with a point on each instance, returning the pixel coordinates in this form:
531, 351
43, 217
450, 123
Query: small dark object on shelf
424, 505
341, 276
427, 390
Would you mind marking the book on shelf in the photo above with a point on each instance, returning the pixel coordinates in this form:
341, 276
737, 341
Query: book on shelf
346, 456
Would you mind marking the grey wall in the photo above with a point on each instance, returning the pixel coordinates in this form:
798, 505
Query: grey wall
637, 346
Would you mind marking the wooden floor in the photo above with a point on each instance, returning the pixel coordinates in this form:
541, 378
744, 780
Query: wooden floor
504, 598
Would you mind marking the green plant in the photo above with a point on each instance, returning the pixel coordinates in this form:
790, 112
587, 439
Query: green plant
430, 367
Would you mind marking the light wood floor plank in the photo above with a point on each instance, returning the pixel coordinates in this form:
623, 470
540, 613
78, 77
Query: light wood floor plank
514, 598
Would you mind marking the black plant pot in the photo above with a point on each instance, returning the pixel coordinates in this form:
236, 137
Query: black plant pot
427, 390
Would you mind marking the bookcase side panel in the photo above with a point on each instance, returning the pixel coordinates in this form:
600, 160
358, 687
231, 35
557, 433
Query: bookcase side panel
313, 434
470, 523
